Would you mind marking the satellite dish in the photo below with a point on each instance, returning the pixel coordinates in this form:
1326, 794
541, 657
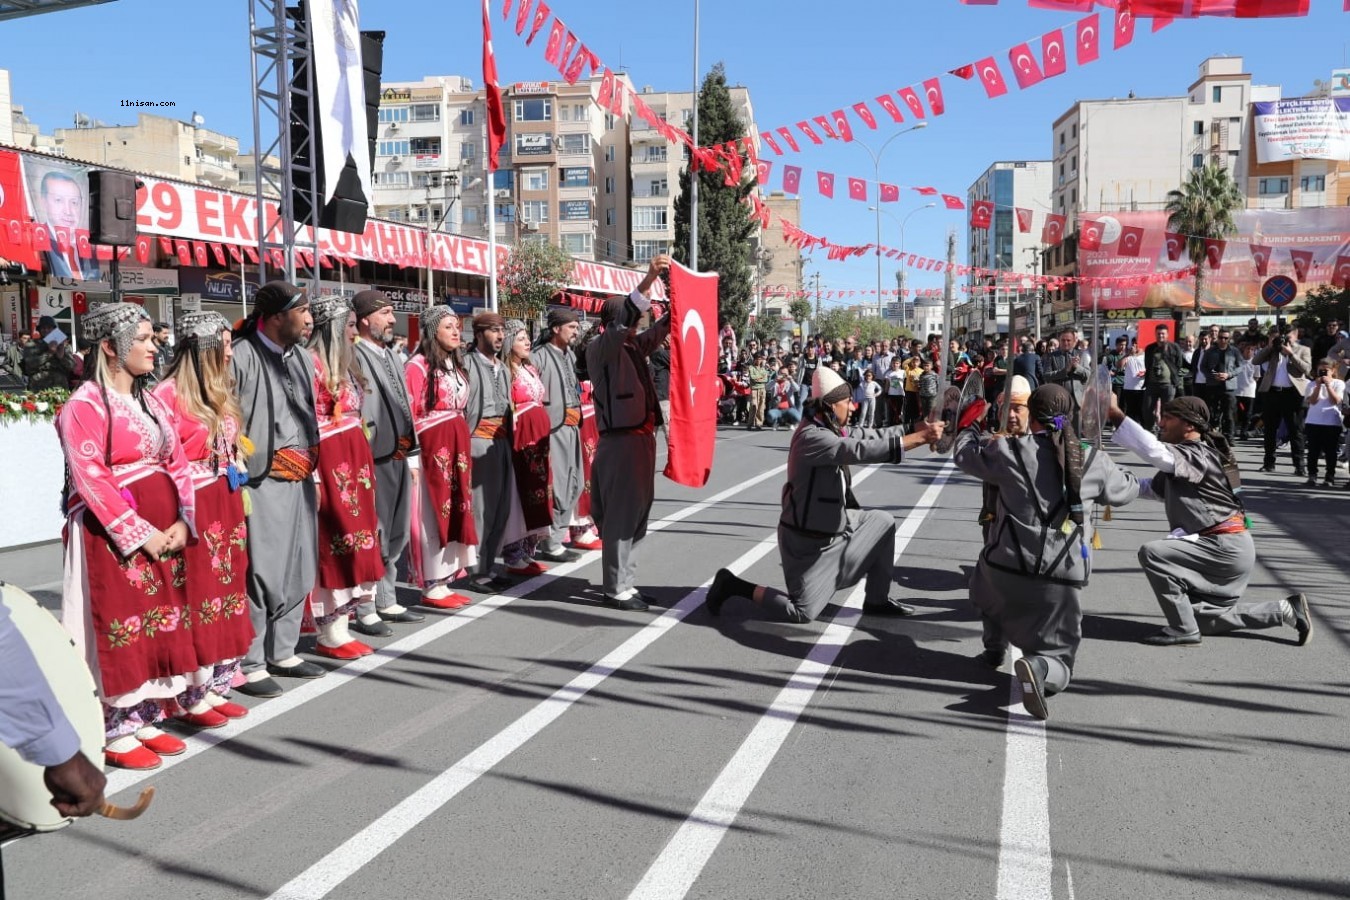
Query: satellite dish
81, 120
198, 119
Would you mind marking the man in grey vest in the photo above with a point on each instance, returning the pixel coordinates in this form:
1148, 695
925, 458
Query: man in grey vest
274, 380
558, 370
488, 416
388, 417
623, 474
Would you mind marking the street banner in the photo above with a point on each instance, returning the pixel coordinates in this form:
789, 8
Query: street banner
694, 386
1307, 128
339, 91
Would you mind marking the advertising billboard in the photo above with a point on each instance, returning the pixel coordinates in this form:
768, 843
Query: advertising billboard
1307, 128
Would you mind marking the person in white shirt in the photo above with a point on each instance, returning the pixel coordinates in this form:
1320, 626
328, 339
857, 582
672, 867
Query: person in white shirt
1322, 423
1133, 389
865, 395
1248, 374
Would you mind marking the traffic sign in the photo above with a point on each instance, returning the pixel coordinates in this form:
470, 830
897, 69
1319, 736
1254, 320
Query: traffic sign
1279, 291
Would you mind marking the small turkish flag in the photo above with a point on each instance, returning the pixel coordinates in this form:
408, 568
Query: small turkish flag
553, 49
825, 183
826, 127
199, 253
219, 253
251, 253
1175, 243
965, 73
42, 239
1340, 276
184, 251
912, 101
1124, 24
142, 249
1052, 232
927, 191
857, 189
83, 248
792, 179
1260, 258
1214, 251
807, 130
763, 169
933, 89
791, 141
953, 202
991, 77
1023, 219
889, 193
981, 214
773, 145
1089, 38
1053, 60
79, 301
841, 125
1161, 22
541, 13
1090, 236
887, 102
1302, 260
1131, 240
165, 246
62, 239
865, 113
235, 254
1024, 66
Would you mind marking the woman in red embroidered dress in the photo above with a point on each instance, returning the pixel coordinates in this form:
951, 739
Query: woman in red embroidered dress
444, 541
531, 501
349, 539
129, 502
199, 394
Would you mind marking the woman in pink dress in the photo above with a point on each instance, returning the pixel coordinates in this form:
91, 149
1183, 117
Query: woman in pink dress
349, 529
444, 542
198, 392
130, 514
531, 501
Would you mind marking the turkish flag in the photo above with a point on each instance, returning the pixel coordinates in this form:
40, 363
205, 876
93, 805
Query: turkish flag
251, 253
857, 189
541, 14
1161, 22
62, 238
1340, 276
965, 73
1124, 24
219, 253
807, 130
927, 191
1089, 38
83, 248
826, 127
496, 113
1302, 260
887, 102
184, 251
694, 386
787, 136
553, 49
792, 179
865, 113
773, 145
142, 249
981, 214
841, 125
523, 15
1063, 5
991, 77
1131, 240
166, 246
889, 193
1257, 9
42, 238
1090, 236
763, 169
953, 202
1052, 232
1024, 66
825, 183
933, 89
1175, 243
235, 254
199, 253
1053, 60
585, 61
912, 100
1260, 258
1214, 251
1023, 219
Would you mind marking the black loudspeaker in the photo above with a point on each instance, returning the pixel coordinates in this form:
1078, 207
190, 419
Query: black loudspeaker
347, 210
112, 208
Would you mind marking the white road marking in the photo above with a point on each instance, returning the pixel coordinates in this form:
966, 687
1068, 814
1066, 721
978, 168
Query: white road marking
680, 862
1024, 861
304, 692
364, 846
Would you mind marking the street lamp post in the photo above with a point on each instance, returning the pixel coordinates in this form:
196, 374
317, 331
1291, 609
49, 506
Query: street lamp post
451, 182
876, 171
901, 223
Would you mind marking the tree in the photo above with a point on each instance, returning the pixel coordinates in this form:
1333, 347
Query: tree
1323, 304
835, 324
724, 225
531, 276
767, 327
799, 310
1203, 208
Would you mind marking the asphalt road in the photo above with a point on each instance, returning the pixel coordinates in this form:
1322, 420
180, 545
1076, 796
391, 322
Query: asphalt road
543, 745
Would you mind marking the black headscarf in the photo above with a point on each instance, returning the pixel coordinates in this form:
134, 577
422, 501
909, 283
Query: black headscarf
1052, 407
1194, 412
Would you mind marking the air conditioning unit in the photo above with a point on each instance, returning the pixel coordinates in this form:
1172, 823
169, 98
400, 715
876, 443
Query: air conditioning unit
393, 126
504, 194
395, 160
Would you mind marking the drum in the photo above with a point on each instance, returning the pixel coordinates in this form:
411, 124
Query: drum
25, 802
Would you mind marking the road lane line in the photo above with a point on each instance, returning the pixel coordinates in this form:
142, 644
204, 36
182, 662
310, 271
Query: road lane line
1024, 861
364, 846
680, 862
122, 779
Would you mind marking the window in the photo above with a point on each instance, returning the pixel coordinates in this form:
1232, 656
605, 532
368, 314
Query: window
426, 112
504, 180
581, 112
564, 113
1199, 127
534, 212
577, 244
390, 178
1218, 94
609, 216
643, 251
649, 218
1270, 186
1197, 161
609, 121
658, 187
1234, 121
578, 176
468, 150
536, 110
505, 212
1061, 140
575, 210
393, 114
1073, 196
435, 214
534, 179
466, 117
470, 215
425, 146
609, 184
391, 148
534, 239
397, 215
1312, 183
609, 153
655, 155
1074, 167
576, 143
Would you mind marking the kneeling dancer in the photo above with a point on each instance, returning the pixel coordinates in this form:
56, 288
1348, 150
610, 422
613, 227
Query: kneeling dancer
825, 539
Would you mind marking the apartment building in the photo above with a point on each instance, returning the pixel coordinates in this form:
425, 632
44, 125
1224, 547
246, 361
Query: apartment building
1003, 246
779, 268
156, 145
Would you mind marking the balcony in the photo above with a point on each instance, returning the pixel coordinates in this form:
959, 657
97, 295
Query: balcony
647, 192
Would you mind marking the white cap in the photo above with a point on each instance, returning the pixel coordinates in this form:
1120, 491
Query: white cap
1021, 389
825, 380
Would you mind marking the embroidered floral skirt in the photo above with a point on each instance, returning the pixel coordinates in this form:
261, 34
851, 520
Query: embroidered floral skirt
217, 571
349, 539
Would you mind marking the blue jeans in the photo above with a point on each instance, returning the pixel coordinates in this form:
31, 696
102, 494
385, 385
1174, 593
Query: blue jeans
790, 416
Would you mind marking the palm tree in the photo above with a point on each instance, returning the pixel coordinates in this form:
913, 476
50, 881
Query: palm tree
1203, 208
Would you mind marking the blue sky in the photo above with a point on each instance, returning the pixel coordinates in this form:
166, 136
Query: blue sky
798, 60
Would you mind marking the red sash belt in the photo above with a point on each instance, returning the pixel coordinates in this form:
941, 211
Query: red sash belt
572, 416
1231, 525
404, 445
293, 463
490, 429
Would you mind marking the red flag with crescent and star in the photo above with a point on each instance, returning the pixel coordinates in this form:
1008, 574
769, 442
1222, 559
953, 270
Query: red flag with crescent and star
1053, 60
1089, 38
694, 387
1260, 258
991, 77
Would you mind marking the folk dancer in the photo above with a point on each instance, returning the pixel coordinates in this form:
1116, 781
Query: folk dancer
531, 499
198, 392
350, 560
274, 381
393, 441
624, 472
444, 537
826, 540
130, 515
1199, 572
488, 415
562, 401
1030, 576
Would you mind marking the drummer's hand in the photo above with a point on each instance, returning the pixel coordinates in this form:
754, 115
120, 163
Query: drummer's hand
76, 786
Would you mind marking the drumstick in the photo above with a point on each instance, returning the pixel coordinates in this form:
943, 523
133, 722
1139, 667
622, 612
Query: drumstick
127, 813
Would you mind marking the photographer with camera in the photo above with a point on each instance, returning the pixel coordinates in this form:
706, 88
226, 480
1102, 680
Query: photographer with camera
1282, 389
1322, 422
